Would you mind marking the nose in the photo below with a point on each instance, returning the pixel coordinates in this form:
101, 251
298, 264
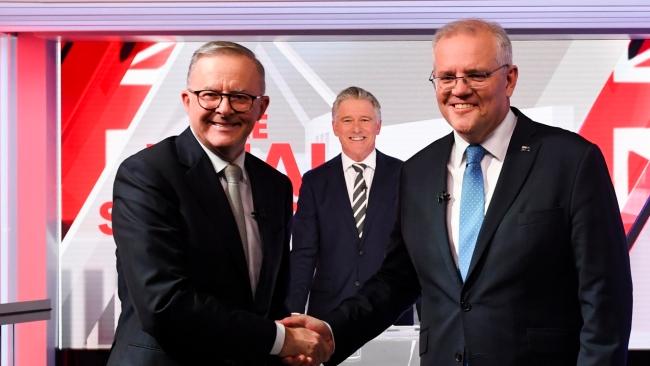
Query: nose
356, 126
224, 107
461, 87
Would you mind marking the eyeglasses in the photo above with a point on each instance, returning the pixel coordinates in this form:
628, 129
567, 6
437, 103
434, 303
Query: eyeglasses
474, 80
211, 100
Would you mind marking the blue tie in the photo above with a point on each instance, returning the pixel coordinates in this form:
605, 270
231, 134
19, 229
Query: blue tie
472, 204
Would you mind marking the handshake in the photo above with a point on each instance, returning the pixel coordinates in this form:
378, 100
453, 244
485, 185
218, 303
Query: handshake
308, 341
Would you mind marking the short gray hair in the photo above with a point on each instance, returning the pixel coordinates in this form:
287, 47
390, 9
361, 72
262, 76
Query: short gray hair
473, 26
355, 92
215, 48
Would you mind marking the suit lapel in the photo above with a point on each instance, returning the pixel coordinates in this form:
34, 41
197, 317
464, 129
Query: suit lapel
519, 160
201, 174
341, 197
263, 203
381, 186
435, 178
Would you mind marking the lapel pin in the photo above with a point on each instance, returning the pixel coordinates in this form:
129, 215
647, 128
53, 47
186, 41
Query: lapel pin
525, 148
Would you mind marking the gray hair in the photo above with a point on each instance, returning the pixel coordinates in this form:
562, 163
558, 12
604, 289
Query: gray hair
473, 26
215, 48
355, 92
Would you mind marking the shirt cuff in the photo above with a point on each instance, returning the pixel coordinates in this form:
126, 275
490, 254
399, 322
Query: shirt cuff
332, 333
279, 339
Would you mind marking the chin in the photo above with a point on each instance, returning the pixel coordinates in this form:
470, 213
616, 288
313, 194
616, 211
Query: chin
218, 143
463, 127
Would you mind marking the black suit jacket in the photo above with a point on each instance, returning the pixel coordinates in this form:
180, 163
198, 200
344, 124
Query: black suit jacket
549, 282
182, 275
325, 237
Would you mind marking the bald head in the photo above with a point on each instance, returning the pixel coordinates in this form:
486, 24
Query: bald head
217, 48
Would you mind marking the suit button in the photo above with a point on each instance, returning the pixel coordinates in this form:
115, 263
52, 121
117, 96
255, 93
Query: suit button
458, 357
465, 306
361, 252
357, 283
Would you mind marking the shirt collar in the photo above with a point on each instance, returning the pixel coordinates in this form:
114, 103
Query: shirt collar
219, 164
370, 160
496, 143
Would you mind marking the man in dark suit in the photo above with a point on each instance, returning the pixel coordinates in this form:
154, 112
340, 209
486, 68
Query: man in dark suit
202, 232
346, 210
511, 227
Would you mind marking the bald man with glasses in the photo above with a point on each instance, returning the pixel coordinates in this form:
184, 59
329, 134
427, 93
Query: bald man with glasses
509, 229
202, 232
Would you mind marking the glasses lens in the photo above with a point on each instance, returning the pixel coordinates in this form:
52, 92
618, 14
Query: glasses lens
477, 78
241, 102
447, 82
209, 99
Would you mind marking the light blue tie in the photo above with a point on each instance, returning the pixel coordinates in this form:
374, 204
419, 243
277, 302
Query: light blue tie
472, 204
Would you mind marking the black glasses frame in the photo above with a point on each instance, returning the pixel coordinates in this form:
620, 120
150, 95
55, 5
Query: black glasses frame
472, 79
223, 96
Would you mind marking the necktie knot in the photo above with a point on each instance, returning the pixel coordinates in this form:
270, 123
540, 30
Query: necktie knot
233, 173
474, 154
359, 167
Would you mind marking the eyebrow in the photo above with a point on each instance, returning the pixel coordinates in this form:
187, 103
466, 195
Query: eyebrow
361, 116
465, 72
233, 91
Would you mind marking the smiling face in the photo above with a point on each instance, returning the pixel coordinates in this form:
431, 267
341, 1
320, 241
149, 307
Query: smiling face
223, 130
473, 113
356, 124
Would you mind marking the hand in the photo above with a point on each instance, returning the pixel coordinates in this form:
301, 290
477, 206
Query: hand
321, 352
302, 347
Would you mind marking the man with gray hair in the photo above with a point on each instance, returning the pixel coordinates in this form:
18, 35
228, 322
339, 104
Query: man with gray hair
202, 232
346, 209
509, 229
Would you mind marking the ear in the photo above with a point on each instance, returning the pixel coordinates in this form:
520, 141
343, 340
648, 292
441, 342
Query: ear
185, 98
335, 128
511, 80
264, 104
378, 127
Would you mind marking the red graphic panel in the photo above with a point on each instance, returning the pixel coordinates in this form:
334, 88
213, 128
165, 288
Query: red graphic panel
624, 104
90, 90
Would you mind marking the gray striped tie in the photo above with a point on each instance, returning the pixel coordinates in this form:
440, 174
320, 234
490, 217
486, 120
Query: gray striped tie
359, 197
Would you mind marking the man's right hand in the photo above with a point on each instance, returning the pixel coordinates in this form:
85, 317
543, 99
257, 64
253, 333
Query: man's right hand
307, 330
303, 347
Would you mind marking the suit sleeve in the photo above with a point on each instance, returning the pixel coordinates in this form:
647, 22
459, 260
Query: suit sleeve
305, 247
152, 259
602, 262
280, 309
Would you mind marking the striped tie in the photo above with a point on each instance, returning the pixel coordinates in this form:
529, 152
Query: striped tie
359, 197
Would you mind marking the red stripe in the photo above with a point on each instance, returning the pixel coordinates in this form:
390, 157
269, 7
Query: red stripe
32, 140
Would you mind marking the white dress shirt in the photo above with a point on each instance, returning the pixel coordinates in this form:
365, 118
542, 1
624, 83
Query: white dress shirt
496, 145
252, 230
350, 174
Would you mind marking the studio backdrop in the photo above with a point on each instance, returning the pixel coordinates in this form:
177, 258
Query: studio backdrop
118, 98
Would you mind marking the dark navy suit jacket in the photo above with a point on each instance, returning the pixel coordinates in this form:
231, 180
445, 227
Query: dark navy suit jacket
328, 260
549, 282
182, 275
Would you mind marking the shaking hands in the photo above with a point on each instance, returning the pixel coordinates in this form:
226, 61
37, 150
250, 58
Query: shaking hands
308, 341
